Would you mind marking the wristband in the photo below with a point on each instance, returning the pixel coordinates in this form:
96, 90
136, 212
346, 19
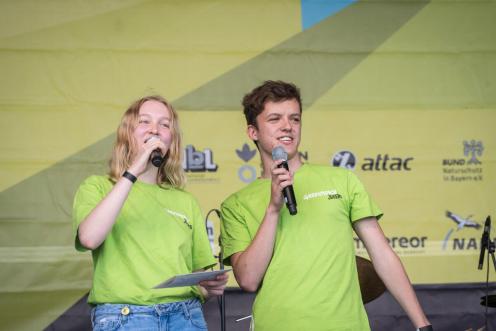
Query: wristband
426, 328
129, 176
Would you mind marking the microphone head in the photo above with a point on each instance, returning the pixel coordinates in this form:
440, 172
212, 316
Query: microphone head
278, 153
151, 138
157, 158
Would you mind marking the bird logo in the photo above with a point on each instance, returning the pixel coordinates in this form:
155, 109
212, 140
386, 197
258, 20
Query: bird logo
460, 224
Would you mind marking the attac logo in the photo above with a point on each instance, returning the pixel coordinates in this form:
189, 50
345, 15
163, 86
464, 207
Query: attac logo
344, 159
382, 162
386, 163
463, 170
461, 223
196, 161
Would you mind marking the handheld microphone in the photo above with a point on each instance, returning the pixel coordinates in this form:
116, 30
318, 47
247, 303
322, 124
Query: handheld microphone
278, 153
156, 155
484, 241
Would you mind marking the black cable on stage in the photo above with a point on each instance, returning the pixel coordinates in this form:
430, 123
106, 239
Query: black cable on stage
221, 300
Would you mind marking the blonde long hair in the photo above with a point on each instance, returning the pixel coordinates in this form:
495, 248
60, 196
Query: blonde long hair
125, 148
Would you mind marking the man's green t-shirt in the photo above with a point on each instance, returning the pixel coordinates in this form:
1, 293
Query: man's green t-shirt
311, 282
159, 233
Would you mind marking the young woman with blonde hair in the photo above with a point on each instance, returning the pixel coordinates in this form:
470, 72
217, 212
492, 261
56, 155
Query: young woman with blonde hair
142, 228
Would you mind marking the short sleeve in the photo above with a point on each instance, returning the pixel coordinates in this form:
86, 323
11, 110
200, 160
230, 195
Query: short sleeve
361, 204
87, 197
202, 254
235, 236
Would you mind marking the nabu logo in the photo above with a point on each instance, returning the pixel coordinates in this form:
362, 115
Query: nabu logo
461, 223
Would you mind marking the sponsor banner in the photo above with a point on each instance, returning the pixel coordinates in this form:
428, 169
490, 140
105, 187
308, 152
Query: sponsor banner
433, 183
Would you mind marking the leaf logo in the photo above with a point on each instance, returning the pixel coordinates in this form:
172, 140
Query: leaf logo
246, 154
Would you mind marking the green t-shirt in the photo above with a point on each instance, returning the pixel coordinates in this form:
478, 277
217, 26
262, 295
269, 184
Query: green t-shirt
311, 282
159, 233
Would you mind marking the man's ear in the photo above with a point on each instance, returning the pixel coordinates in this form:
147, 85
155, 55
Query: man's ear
252, 132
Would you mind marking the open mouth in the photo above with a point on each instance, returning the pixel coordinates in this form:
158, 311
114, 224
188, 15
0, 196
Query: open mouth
285, 139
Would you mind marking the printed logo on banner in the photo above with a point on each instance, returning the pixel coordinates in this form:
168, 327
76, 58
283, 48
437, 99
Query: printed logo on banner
303, 156
198, 161
381, 162
246, 173
344, 159
199, 165
465, 169
210, 234
403, 245
461, 224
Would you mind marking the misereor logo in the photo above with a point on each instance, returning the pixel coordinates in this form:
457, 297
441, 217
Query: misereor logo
198, 161
381, 162
467, 169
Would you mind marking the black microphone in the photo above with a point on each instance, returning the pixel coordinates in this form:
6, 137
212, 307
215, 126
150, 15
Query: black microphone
278, 153
484, 241
156, 155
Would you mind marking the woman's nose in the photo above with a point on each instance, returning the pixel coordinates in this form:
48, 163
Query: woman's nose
153, 128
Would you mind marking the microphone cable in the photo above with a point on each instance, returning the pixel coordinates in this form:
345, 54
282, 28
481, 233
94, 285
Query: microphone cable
221, 300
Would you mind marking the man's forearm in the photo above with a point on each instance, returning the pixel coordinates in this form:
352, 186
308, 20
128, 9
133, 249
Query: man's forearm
389, 268
392, 273
250, 265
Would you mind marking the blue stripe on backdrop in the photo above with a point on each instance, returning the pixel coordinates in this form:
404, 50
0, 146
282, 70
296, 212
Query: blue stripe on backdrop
314, 11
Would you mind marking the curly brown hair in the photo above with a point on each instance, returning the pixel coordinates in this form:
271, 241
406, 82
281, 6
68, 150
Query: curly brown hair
275, 91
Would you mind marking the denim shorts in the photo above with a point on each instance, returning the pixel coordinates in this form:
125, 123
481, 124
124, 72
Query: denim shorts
183, 315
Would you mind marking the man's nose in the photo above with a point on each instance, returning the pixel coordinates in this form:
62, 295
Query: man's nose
286, 124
